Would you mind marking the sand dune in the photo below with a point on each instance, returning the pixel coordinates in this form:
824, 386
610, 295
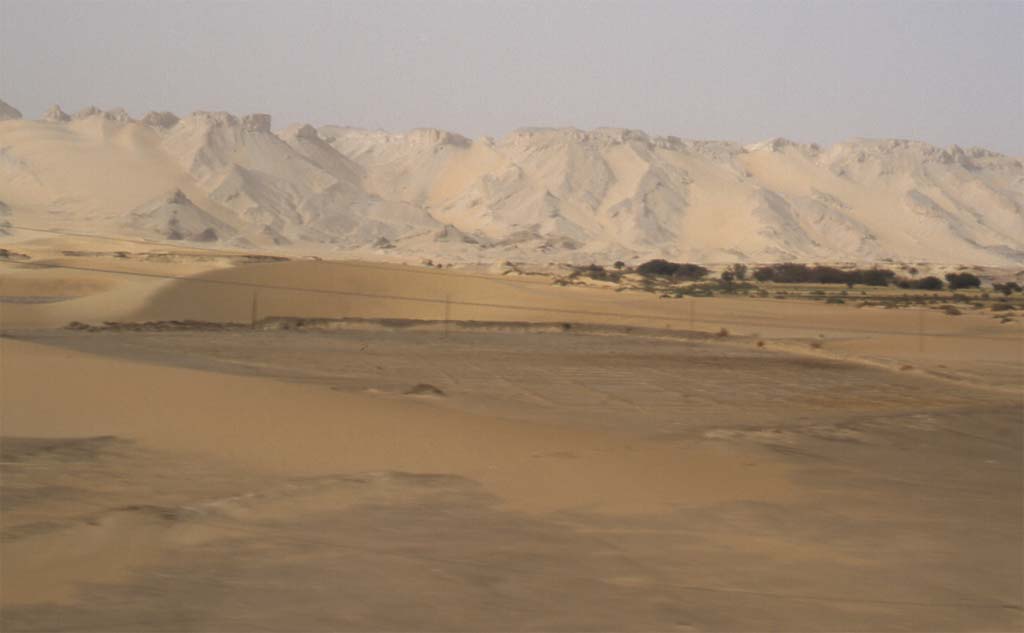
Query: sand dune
212, 287
570, 457
192, 479
196, 436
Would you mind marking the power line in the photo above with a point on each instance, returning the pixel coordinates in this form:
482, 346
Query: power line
478, 304
310, 258
244, 253
111, 238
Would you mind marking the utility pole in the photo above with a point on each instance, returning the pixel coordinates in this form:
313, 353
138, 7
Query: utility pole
255, 308
920, 329
447, 313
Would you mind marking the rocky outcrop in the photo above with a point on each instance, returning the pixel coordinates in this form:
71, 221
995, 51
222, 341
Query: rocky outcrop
160, 119
173, 216
256, 122
118, 114
306, 132
56, 115
8, 112
551, 194
213, 118
86, 112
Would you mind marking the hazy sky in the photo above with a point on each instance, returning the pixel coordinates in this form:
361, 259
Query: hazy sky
944, 72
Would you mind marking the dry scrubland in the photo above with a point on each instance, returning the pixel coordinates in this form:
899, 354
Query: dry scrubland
312, 445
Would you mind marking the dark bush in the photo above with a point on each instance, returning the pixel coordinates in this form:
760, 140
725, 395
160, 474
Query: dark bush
875, 276
962, 280
1008, 288
619, 265
596, 272
709, 288
929, 283
925, 283
737, 271
804, 274
663, 268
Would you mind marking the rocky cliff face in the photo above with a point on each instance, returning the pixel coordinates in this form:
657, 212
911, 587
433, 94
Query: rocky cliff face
536, 194
8, 112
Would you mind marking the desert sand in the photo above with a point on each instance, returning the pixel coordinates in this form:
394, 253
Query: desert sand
353, 445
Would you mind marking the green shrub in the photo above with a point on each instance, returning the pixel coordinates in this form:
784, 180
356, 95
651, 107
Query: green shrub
739, 271
925, 283
804, 274
596, 272
664, 268
962, 280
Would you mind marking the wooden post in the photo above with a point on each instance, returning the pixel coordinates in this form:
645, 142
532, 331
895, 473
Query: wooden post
254, 315
447, 314
920, 330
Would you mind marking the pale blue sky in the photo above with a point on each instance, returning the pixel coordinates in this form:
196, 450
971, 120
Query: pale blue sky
944, 72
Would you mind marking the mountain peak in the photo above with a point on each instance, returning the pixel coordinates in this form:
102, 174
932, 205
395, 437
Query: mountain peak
88, 111
537, 194
434, 136
56, 115
160, 119
212, 119
8, 112
256, 122
774, 144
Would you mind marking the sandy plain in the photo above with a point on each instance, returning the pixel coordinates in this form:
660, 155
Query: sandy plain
357, 446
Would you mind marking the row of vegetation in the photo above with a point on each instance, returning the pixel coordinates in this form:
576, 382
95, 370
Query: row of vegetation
677, 280
789, 273
804, 274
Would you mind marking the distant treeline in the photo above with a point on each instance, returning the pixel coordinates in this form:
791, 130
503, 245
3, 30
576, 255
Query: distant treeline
804, 274
663, 268
924, 283
807, 274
